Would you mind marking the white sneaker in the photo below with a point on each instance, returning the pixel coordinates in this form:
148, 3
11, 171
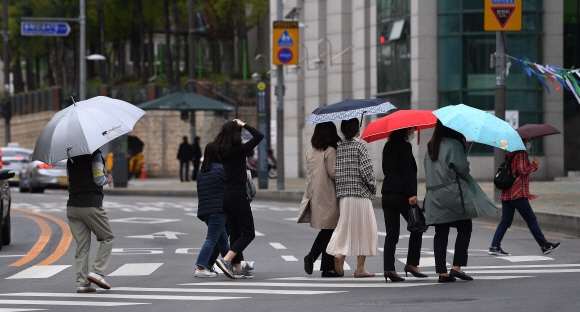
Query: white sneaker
99, 280
204, 273
86, 289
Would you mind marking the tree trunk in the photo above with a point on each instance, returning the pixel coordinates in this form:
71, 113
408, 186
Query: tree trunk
141, 42
167, 50
135, 54
177, 46
151, 54
29, 73
242, 35
102, 64
17, 74
37, 71
49, 72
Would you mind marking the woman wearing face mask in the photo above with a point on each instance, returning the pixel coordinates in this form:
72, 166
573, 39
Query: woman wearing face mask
517, 198
399, 194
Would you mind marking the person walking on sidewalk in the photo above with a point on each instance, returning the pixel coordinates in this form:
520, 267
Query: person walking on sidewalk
196, 157
356, 232
399, 194
452, 199
319, 205
184, 155
518, 197
86, 215
236, 204
210, 189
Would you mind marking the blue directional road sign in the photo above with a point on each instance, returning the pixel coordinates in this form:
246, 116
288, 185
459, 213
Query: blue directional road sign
59, 29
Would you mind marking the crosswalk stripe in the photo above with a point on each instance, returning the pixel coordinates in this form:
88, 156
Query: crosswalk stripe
259, 234
19, 310
71, 303
325, 285
525, 258
423, 262
525, 266
136, 269
119, 296
381, 278
289, 258
39, 272
547, 271
277, 246
318, 263
232, 290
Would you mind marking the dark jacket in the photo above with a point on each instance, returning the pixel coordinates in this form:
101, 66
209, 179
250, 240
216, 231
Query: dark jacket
210, 188
399, 168
234, 161
196, 151
185, 152
83, 192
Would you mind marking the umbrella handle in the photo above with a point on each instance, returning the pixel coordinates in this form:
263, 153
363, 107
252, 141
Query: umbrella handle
469, 150
361, 118
68, 155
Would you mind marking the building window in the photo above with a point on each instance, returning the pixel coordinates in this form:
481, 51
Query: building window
394, 52
465, 76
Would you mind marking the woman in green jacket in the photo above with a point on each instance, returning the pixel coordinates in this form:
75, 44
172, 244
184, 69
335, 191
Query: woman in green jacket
452, 199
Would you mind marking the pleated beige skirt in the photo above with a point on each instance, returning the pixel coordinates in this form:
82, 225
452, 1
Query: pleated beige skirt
356, 233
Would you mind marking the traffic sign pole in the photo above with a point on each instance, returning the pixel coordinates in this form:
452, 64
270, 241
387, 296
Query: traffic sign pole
500, 75
280, 113
6, 67
82, 53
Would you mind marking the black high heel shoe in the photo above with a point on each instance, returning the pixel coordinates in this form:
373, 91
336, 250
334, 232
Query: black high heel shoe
408, 269
446, 279
393, 277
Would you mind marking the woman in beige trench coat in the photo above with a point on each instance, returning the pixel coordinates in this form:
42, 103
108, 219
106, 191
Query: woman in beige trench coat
319, 205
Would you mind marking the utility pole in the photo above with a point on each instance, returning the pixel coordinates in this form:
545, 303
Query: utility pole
6, 68
191, 42
82, 53
500, 75
280, 112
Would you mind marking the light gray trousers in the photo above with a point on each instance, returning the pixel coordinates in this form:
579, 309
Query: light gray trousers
82, 221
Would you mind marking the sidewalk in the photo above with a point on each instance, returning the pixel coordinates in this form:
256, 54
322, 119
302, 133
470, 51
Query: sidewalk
557, 206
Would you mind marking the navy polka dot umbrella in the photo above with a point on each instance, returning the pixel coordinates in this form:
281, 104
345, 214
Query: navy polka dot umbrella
349, 109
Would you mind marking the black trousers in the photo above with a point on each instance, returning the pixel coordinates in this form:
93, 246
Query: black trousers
184, 164
319, 247
240, 220
441, 238
394, 206
195, 169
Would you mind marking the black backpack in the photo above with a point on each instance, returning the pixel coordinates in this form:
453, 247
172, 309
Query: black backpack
504, 179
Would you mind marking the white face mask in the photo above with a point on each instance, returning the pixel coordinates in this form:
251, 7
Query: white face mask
528, 145
411, 137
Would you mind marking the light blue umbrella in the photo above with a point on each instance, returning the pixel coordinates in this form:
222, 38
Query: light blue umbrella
482, 127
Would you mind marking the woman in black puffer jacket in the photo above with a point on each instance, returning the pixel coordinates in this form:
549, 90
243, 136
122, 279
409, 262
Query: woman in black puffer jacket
210, 189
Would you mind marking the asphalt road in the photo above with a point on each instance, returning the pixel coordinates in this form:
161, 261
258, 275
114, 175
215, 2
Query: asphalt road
158, 238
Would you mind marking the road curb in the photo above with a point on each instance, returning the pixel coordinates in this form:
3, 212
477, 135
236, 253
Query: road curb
548, 221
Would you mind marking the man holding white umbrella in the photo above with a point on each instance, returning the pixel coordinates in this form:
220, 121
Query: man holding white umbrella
76, 133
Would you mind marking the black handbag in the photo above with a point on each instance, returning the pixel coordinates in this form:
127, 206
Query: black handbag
417, 222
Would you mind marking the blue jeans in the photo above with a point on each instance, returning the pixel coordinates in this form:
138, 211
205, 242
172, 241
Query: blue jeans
216, 240
508, 208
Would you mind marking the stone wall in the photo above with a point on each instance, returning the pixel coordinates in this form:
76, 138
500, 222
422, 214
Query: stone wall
161, 131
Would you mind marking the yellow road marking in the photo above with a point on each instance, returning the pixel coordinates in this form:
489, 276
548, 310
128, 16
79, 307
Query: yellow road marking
42, 241
64, 241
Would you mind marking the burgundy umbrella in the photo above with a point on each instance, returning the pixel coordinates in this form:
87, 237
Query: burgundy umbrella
532, 131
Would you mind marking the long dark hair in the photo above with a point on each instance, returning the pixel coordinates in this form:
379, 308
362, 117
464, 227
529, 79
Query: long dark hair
210, 155
324, 136
443, 132
228, 137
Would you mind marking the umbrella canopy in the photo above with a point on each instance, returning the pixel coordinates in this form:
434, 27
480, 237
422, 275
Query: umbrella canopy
349, 109
532, 131
382, 128
480, 126
84, 127
185, 101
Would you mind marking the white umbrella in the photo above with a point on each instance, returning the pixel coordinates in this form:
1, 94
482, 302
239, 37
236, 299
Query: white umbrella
85, 126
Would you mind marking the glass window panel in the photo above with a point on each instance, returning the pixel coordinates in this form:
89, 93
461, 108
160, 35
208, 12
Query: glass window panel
477, 73
448, 24
448, 5
472, 5
530, 22
449, 98
392, 9
484, 99
532, 4
473, 22
524, 100
449, 67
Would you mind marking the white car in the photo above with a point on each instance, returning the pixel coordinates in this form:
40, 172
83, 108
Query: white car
14, 158
37, 176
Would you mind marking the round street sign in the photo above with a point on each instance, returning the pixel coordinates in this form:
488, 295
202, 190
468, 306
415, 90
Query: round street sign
261, 86
285, 55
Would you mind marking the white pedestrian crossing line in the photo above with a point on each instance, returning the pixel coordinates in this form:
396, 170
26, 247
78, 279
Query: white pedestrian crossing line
525, 258
563, 265
546, 271
321, 285
318, 263
10, 256
231, 290
39, 272
289, 258
70, 303
19, 310
423, 262
120, 296
136, 269
277, 246
348, 279
259, 234
404, 235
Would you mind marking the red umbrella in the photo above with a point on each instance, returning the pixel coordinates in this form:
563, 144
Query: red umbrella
532, 131
382, 128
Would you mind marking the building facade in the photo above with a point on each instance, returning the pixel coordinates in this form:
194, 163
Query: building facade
421, 54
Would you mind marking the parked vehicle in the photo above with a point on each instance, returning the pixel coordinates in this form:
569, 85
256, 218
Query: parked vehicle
5, 202
37, 176
14, 158
252, 164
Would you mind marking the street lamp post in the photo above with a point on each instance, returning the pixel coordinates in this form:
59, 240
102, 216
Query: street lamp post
82, 53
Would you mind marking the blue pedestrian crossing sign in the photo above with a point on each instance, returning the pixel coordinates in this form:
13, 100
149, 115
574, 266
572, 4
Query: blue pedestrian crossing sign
285, 43
285, 40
